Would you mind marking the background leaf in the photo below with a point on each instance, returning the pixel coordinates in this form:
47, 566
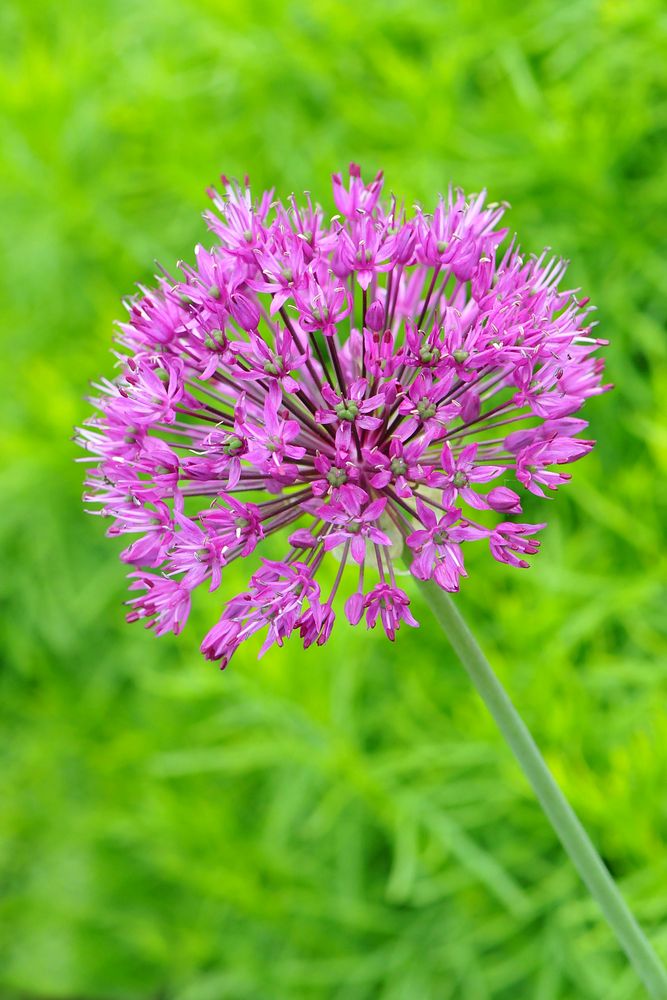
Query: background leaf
344, 823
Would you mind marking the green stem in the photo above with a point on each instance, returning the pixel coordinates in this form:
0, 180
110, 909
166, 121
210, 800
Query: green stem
562, 817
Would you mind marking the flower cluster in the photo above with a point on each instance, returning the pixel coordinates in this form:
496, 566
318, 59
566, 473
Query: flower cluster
368, 386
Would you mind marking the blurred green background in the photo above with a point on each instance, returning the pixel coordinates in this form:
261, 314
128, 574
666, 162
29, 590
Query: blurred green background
344, 823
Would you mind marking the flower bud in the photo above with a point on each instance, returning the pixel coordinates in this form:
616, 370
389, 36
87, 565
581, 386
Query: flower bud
375, 316
503, 499
302, 539
404, 246
245, 311
354, 608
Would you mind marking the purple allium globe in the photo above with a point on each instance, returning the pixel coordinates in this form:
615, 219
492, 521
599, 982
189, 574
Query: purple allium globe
380, 382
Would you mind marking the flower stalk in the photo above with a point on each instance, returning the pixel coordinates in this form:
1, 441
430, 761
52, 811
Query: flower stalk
560, 814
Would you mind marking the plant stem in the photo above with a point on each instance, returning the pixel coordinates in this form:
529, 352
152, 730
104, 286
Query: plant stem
560, 814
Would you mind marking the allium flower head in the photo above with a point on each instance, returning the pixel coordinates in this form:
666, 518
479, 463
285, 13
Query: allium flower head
376, 382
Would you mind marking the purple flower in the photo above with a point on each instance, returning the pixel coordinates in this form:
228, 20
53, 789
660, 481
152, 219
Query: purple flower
353, 406
355, 529
391, 605
462, 473
346, 386
398, 465
360, 197
427, 404
510, 541
323, 302
340, 473
165, 605
437, 546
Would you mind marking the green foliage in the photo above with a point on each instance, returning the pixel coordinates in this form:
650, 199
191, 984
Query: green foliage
344, 823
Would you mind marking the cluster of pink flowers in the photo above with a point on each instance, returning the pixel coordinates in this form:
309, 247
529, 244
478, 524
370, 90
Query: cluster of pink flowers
368, 385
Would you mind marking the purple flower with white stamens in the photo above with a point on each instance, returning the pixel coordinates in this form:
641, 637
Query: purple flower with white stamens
356, 528
340, 472
353, 386
391, 605
237, 524
257, 361
352, 405
399, 464
437, 546
165, 604
462, 473
509, 541
271, 441
323, 302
